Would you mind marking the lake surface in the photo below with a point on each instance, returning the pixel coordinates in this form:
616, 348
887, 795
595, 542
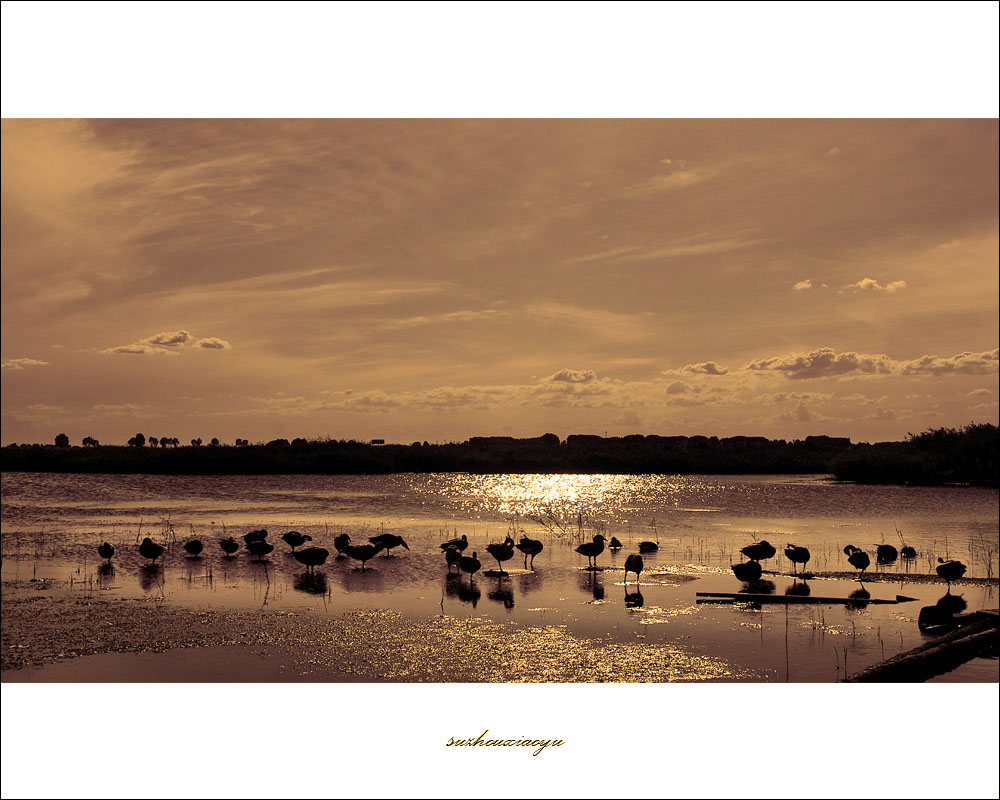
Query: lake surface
51, 525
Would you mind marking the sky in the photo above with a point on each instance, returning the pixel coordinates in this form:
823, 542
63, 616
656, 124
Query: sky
435, 279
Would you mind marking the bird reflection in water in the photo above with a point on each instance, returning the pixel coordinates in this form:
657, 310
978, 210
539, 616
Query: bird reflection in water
105, 571
454, 586
311, 583
150, 577
940, 617
530, 582
591, 582
504, 593
758, 587
859, 598
633, 599
798, 589
358, 580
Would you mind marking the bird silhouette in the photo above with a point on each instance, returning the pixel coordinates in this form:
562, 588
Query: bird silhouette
758, 551
295, 539
633, 564
501, 552
194, 547
363, 552
260, 548
908, 553
849, 549
648, 547
798, 589
886, 554
452, 556
859, 559
340, 542
797, 555
469, 564
614, 544
229, 546
950, 570
748, 571
530, 547
593, 549
388, 541
150, 549
255, 536
105, 551
311, 557
460, 543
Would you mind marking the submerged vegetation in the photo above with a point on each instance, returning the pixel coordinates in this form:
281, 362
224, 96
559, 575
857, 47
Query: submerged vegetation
945, 455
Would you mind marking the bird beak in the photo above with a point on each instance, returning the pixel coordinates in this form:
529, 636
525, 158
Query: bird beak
405, 545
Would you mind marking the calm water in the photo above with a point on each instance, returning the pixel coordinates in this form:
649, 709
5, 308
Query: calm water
52, 524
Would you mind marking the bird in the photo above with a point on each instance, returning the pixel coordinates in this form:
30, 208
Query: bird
461, 543
849, 549
593, 549
633, 564
194, 547
908, 553
886, 554
229, 546
797, 555
530, 547
648, 547
311, 557
614, 544
469, 564
260, 548
452, 556
759, 550
362, 552
950, 570
255, 536
859, 560
150, 549
501, 551
106, 551
295, 539
748, 571
340, 542
388, 541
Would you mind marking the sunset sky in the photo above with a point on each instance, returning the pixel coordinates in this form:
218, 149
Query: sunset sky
438, 279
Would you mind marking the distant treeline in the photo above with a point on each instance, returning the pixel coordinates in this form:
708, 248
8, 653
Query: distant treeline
940, 456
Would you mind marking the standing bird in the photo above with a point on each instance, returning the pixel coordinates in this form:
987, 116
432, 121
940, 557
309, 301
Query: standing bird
105, 551
950, 570
255, 536
311, 557
797, 555
593, 549
648, 547
229, 546
461, 544
295, 539
388, 541
849, 549
150, 549
501, 552
194, 547
260, 548
758, 551
452, 556
908, 553
614, 545
530, 547
633, 564
859, 560
362, 552
748, 571
341, 542
886, 554
469, 564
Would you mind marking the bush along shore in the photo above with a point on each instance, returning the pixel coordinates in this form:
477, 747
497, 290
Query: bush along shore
937, 457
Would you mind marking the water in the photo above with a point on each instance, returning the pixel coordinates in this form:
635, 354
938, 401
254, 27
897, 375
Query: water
52, 524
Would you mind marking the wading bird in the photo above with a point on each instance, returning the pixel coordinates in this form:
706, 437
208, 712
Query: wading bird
748, 571
648, 547
255, 536
461, 543
797, 555
150, 549
260, 548
614, 544
362, 552
886, 554
229, 546
758, 551
194, 547
295, 539
469, 564
501, 551
341, 542
452, 556
388, 541
593, 549
859, 560
530, 547
908, 553
311, 557
105, 551
950, 570
633, 564
850, 549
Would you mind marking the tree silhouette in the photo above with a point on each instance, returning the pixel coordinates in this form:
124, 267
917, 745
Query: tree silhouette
154, 441
90, 441
62, 440
196, 442
137, 441
214, 442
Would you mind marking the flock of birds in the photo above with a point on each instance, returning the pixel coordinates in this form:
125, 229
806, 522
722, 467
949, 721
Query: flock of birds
749, 571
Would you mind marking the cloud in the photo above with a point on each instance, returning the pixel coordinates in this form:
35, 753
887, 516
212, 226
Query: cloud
677, 179
705, 368
123, 409
572, 376
211, 343
824, 362
800, 413
678, 387
168, 339
21, 363
168, 343
803, 285
981, 393
872, 285
983, 363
